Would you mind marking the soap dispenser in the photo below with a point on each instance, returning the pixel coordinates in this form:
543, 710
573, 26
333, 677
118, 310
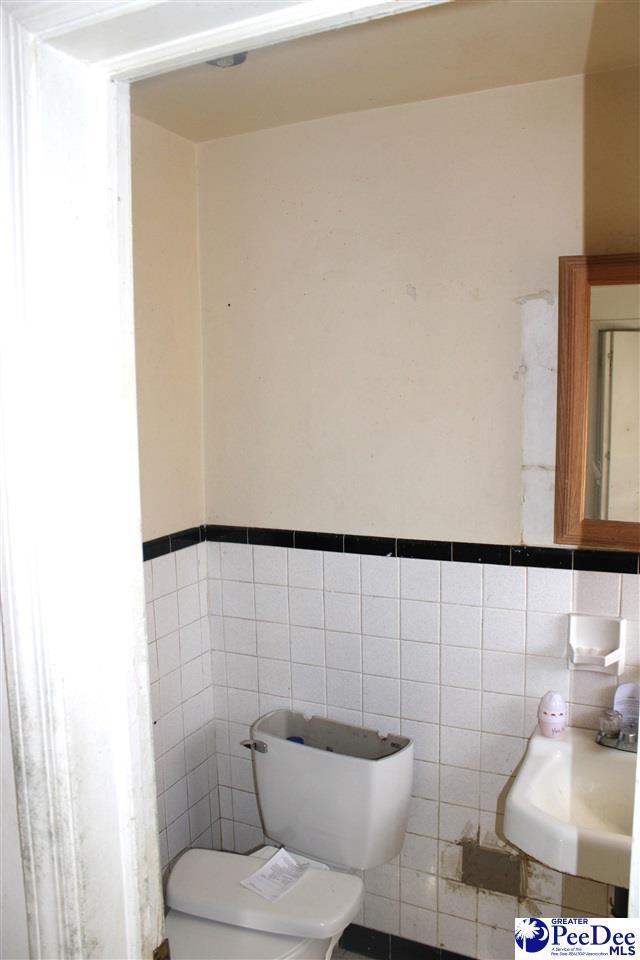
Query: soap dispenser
552, 714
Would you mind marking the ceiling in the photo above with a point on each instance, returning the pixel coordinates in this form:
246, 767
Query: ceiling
440, 51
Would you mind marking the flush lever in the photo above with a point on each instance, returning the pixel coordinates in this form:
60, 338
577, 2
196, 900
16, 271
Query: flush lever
258, 745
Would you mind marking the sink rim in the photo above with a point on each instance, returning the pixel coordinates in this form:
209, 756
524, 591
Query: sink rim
554, 841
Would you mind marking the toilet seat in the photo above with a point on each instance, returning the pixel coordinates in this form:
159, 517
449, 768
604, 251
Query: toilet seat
212, 917
194, 938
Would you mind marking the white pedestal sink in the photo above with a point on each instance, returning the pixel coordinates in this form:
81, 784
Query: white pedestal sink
571, 806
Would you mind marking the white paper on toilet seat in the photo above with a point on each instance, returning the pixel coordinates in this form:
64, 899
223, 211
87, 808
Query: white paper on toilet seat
277, 876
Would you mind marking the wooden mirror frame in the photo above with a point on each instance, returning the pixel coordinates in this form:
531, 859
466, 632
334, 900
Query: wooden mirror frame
577, 274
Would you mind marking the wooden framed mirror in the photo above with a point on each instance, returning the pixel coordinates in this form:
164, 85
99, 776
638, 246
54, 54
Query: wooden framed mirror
597, 498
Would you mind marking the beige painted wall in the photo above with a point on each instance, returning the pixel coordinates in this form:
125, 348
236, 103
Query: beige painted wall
168, 330
361, 330
361, 326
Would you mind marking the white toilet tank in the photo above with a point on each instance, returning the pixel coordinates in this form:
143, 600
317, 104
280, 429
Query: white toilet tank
341, 795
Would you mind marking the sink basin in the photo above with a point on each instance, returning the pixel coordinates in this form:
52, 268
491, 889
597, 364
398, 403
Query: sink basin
571, 806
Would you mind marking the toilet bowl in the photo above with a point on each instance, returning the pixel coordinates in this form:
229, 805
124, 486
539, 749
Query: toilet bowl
327, 791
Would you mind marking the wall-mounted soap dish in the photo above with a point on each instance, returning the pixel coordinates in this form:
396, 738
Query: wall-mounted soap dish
597, 643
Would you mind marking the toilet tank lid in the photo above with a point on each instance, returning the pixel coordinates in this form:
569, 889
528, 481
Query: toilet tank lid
206, 883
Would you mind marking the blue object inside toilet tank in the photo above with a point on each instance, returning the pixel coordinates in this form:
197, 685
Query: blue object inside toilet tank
296, 739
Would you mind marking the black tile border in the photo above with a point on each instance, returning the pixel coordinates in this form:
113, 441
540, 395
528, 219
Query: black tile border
386, 946
559, 558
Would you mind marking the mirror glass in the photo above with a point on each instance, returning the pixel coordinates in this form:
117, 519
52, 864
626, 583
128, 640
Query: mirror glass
613, 425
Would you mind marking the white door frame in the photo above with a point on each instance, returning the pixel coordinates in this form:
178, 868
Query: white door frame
71, 576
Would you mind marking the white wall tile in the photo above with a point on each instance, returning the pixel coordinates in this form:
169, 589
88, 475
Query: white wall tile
426, 780
382, 914
384, 881
380, 576
343, 650
344, 689
425, 737
165, 611
274, 677
198, 783
163, 571
238, 599
174, 766
460, 667
191, 641
380, 617
270, 565
419, 701
308, 683
306, 607
381, 695
423, 817
500, 754
503, 630
175, 800
546, 673
419, 853
493, 790
214, 597
242, 671
547, 634
549, 591
192, 678
460, 748
497, 910
214, 566
307, 645
273, 640
341, 572
243, 710
459, 786
418, 888
420, 579
381, 656
460, 707
457, 935
503, 672
420, 621
272, 603
457, 899
187, 571
236, 561
420, 661
168, 653
494, 943
458, 823
148, 581
460, 626
188, 604
504, 587
178, 836
240, 636
502, 713
199, 820
345, 715
418, 924
342, 612
461, 583
596, 593
305, 569
170, 693
630, 603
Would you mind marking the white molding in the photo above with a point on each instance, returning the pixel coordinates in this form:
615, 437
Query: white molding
73, 624
203, 31
50, 18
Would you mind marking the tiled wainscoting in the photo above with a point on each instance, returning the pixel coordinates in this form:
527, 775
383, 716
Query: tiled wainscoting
182, 700
453, 654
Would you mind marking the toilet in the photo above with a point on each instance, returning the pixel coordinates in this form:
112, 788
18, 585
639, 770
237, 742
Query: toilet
334, 795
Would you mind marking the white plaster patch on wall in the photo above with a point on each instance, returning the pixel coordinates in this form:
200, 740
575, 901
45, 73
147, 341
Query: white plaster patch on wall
538, 373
